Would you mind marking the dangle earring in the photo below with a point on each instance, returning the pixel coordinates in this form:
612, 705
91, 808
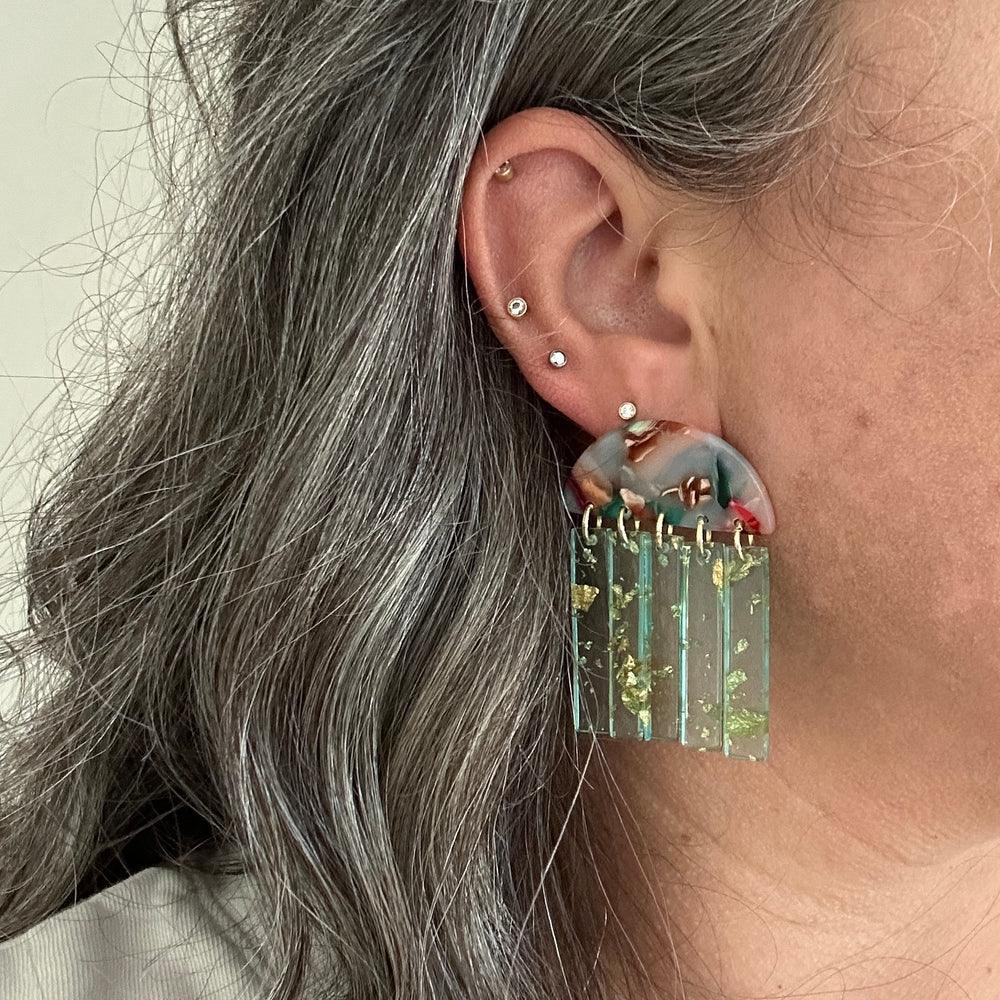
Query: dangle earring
670, 624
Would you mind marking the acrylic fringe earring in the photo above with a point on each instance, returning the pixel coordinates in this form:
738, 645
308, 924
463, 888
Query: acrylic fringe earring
670, 624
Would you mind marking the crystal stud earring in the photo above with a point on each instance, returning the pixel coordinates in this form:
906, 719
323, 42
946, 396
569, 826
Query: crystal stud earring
557, 359
517, 307
627, 411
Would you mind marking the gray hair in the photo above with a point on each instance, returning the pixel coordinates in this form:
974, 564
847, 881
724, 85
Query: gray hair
300, 591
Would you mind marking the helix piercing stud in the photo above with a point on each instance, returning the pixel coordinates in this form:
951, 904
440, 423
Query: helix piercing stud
517, 307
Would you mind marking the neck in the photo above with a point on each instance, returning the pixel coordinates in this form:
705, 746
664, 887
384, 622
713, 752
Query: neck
827, 871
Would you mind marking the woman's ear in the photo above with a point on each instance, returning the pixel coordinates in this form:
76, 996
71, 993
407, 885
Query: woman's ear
556, 215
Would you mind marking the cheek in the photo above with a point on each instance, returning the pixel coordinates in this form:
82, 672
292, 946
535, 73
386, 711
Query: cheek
873, 418
859, 370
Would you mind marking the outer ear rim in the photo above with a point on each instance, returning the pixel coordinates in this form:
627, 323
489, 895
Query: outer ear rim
592, 385
529, 131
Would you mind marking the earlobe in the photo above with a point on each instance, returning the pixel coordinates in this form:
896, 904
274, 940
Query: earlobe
560, 233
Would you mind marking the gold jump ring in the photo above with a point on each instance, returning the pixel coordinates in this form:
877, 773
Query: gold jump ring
659, 529
621, 525
738, 530
589, 539
703, 534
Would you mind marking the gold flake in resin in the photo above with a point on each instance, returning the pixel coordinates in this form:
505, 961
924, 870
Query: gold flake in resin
734, 680
739, 569
635, 688
746, 723
620, 600
583, 596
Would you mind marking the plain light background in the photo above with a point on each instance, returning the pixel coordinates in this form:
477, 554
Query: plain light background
69, 118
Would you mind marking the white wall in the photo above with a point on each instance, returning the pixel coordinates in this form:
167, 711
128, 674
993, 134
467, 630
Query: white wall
64, 124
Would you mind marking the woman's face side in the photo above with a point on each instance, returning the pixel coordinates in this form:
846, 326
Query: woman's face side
863, 371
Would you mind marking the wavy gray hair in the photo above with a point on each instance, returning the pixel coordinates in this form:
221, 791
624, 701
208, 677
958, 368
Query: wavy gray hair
299, 593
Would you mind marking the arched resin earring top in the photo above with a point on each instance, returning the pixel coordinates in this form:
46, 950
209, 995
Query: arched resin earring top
659, 466
670, 626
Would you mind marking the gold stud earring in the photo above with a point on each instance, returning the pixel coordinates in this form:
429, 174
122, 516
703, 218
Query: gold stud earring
627, 411
504, 172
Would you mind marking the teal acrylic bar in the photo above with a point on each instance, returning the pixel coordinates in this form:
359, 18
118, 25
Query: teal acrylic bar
668, 614
647, 608
748, 661
629, 631
702, 692
671, 642
589, 623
